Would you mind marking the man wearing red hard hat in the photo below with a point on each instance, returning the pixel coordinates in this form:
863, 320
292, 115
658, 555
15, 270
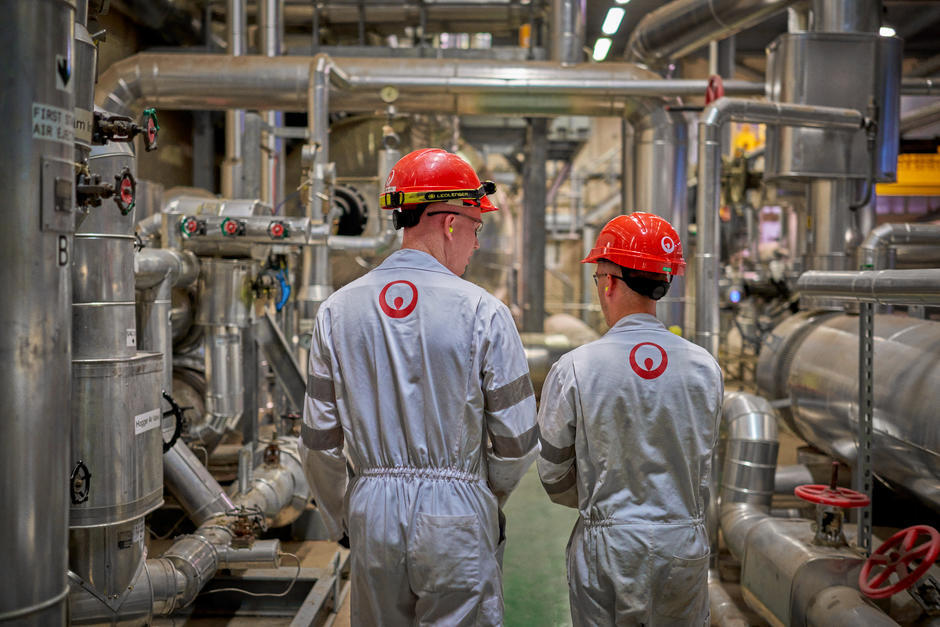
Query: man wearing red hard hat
419, 418
628, 424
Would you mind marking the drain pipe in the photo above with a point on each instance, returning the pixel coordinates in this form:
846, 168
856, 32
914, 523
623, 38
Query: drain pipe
707, 254
882, 237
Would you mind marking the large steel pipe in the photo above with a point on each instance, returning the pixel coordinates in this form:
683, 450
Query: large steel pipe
893, 234
888, 287
715, 116
220, 82
817, 358
683, 26
38, 182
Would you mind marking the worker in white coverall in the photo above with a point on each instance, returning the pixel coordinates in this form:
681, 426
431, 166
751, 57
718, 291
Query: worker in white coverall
421, 377
628, 423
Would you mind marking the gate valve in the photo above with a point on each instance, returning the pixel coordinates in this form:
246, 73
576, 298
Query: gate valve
232, 227
119, 128
830, 500
897, 555
126, 191
191, 226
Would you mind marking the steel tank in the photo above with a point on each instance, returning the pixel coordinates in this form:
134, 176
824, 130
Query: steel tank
116, 436
817, 357
38, 182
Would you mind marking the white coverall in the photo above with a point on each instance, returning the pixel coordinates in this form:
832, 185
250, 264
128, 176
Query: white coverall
423, 378
628, 423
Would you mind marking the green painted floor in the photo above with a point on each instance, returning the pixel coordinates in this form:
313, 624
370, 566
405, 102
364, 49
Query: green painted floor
535, 590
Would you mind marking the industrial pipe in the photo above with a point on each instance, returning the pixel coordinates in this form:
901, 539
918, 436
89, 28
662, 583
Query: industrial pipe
233, 166
683, 26
920, 86
707, 254
891, 234
220, 82
919, 118
887, 287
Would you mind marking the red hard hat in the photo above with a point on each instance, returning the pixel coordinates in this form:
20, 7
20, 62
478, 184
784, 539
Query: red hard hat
641, 241
434, 175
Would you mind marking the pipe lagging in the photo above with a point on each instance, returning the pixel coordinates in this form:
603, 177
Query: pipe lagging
153, 266
724, 611
747, 483
886, 287
891, 234
707, 255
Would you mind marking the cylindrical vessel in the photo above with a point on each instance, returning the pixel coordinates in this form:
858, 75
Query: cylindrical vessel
820, 365
225, 292
38, 181
225, 387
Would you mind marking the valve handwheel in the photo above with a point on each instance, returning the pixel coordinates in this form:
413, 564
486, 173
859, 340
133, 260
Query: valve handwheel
893, 558
715, 89
826, 495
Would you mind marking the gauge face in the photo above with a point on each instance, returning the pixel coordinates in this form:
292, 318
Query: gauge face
389, 94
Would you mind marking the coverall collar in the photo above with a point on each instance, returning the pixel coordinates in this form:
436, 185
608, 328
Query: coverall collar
414, 259
638, 321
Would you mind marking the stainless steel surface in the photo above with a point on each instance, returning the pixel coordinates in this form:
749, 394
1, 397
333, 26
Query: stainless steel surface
278, 353
35, 314
724, 612
568, 24
84, 73
225, 289
279, 490
116, 434
920, 87
787, 478
659, 162
751, 455
897, 287
872, 252
532, 272
919, 118
224, 207
201, 82
709, 174
820, 368
808, 68
833, 230
257, 230
862, 480
683, 26
133, 608
261, 554
190, 482
225, 387
846, 16
233, 175
107, 559
271, 40
844, 606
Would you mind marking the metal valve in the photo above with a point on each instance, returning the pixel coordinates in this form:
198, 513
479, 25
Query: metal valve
89, 190
119, 128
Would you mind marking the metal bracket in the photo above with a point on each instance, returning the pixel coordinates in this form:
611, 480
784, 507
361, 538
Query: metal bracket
862, 477
927, 594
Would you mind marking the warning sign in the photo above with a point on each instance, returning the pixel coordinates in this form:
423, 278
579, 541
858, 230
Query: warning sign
53, 124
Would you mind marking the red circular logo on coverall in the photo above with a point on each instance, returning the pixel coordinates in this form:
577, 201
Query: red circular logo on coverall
397, 308
647, 371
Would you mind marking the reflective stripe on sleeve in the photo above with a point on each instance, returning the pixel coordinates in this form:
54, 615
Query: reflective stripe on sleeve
517, 446
320, 389
509, 394
554, 454
321, 439
563, 484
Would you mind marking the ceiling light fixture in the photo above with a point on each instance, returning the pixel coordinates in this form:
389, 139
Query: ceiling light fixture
621, 1
886, 31
613, 20
601, 48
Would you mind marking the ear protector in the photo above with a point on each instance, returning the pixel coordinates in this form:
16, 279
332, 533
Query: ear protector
451, 229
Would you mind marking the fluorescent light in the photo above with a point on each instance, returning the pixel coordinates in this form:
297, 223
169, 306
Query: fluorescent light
612, 21
601, 48
886, 31
621, 1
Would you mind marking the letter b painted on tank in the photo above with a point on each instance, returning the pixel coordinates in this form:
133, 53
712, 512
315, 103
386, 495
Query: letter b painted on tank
63, 250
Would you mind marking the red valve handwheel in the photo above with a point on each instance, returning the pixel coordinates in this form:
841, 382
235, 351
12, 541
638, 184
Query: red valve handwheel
898, 559
838, 497
715, 89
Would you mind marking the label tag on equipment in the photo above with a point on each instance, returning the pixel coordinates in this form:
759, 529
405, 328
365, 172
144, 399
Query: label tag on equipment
148, 421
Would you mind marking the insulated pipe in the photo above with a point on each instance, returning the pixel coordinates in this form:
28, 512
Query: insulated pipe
891, 234
920, 86
747, 481
271, 28
683, 26
919, 118
846, 16
724, 612
707, 253
189, 481
568, 19
220, 82
232, 174
886, 287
